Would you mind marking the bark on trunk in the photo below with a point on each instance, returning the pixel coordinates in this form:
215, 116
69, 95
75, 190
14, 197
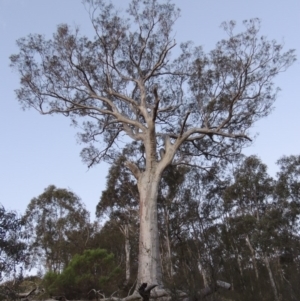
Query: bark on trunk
149, 269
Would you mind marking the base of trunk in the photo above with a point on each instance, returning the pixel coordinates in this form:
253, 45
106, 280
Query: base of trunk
145, 293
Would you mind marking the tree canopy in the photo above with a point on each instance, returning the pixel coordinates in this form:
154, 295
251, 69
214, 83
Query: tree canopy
125, 81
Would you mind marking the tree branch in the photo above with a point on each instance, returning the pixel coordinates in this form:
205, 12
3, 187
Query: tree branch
204, 131
145, 291
133, 168
157, 99
184, 122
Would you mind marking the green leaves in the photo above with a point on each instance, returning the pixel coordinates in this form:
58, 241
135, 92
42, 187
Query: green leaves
94, 269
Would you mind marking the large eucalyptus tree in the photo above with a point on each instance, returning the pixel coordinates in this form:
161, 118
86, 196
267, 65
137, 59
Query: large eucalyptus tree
180, 109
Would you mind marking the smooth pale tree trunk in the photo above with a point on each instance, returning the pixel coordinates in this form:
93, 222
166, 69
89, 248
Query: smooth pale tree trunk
125, 230
252, 255
149, 270
149, 267
203, 271
168, 243
127, 252
238, 259
203, 274
272, 281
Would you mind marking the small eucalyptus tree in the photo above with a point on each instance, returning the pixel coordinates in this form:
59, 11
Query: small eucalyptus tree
57, 227
175, 110
12, 248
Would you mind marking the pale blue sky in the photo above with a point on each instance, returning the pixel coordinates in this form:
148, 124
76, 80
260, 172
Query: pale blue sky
37, 151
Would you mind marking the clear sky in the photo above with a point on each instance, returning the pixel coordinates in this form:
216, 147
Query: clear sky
37, 151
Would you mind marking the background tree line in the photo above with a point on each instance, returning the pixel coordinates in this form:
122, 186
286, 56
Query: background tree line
233, 222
